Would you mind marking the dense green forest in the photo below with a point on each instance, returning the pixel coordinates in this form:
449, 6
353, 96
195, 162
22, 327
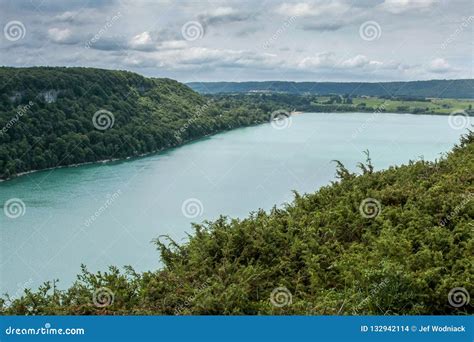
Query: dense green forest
397, 241
53, 117
434, 88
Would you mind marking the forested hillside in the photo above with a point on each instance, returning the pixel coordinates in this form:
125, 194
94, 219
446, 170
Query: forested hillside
52, 117
393, 242
434, 88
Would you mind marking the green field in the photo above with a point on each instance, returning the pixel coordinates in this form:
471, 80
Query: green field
346, 103
435, 106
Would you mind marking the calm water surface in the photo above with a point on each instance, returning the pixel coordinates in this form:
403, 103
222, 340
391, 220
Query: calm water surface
232, 173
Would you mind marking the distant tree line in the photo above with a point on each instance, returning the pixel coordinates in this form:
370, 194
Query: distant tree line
462, 88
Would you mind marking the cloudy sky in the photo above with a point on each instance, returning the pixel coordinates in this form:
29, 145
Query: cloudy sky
369, 40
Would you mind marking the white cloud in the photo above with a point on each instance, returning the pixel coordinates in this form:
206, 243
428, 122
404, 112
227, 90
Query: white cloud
360, 61
192, 57
328, 60
314, 9
400, 6
321, 60
146, 41
61, 35
142, 41
320, 15
221, 12
355, 62
223, 57
439, 65
174, 44
66, 16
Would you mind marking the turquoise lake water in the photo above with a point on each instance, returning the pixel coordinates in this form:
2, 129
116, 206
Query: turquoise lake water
108, 214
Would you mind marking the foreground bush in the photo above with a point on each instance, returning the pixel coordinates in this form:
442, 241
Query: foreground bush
391, 242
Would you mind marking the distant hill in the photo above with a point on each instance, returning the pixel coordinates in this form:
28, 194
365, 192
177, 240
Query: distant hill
435, 88
56, 116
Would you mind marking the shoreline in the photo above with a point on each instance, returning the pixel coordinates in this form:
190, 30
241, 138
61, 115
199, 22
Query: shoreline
111, 160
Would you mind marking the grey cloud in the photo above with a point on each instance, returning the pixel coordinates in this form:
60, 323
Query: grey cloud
147, 38
146, 41
323, 26
116, 43
59, 6
224, 15
247, 31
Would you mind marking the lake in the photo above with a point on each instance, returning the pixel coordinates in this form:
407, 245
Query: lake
108, 214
